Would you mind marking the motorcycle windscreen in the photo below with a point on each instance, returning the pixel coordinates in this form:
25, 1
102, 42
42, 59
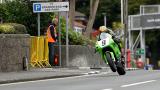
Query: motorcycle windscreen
104, 36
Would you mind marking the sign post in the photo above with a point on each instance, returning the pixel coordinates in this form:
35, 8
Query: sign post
67, 41
38, 21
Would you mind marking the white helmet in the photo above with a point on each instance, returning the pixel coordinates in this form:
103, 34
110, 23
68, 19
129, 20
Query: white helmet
103, 28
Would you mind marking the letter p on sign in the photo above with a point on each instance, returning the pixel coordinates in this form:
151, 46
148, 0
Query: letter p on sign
37, 7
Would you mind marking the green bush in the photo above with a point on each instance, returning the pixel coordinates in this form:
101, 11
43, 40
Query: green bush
74, 37
12, 28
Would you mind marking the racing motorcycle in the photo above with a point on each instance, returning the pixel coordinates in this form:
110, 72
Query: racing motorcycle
110, 53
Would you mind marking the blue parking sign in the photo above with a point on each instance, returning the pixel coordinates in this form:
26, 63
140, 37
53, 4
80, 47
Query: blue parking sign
37, 7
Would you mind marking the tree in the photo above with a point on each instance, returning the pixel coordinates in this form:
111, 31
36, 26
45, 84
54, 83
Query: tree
93, 10
110, 7
72, 13
112, 10
133, 6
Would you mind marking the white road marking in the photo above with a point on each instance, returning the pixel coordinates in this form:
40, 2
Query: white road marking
45, 80
108, 89
138, 83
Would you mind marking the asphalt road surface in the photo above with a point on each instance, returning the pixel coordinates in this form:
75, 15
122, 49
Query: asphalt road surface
133, 80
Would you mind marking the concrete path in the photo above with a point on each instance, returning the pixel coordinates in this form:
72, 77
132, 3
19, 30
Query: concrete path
46, 73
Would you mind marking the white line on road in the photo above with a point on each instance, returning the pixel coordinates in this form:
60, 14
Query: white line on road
138, 83
108, 89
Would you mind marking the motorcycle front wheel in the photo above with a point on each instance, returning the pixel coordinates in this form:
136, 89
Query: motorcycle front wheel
110, 62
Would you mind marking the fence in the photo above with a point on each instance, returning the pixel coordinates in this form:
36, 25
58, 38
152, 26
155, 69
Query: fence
39, 52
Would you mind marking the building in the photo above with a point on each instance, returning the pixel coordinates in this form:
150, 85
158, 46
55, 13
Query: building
80, 22
79, 27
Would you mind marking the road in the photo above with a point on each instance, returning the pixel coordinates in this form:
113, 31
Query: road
133, 80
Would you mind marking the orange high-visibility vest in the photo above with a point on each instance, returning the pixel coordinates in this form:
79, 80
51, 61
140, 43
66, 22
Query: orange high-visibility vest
49, 36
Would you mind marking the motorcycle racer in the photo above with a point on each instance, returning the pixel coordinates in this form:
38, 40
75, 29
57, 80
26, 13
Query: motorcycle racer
104, 29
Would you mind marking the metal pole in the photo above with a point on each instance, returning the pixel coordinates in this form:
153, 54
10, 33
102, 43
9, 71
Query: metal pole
38, 21
129, 35
122, 12
59, 39
67, 51
159, 9
142, 38
105, 19
144, 47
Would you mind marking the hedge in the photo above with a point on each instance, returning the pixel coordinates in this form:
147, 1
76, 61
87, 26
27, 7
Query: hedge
12, 28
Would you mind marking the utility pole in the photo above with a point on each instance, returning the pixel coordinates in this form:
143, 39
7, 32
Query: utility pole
125, 20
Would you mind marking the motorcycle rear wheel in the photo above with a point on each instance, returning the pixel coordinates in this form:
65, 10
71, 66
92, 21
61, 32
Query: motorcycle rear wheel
120, 68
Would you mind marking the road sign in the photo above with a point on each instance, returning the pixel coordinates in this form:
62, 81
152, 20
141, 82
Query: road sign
147, 21
151, 21
140, 51
50, 7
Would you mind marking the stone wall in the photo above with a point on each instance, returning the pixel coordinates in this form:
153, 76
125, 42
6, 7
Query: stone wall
13, 48
81, 56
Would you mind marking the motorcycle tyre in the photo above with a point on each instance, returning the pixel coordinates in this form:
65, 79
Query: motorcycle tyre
110, 62
120, 69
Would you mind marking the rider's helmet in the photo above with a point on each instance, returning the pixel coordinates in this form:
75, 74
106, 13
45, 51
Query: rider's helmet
103, 29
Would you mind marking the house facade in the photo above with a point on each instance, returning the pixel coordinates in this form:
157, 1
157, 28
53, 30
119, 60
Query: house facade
80, 22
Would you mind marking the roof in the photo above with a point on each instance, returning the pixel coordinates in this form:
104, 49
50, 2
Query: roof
79, 14
79, 25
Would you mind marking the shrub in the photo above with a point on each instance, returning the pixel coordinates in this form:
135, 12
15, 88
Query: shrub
12, 28
74, 37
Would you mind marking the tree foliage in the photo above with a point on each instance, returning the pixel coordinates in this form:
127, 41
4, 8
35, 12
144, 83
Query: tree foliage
112, 10
21, 11
110, 7
134, 5
74, 37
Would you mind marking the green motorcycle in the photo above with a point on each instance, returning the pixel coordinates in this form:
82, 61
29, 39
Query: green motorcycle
110, 53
